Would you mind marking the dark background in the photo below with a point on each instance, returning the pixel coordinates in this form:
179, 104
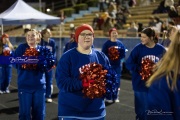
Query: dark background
5, 4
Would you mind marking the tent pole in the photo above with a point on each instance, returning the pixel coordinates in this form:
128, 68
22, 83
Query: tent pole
40, 5
2, 30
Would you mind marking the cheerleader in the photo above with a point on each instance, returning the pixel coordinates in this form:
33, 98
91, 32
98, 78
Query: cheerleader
6, 69
72, 103
114, 49
50, 44
148, 52
164, 84
31, 83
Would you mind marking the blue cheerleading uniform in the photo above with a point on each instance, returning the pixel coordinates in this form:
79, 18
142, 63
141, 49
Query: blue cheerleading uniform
133, 64
69, 46
116, 64
49, 74
6, 74
31, 90
163, 103
165, 42
71, 100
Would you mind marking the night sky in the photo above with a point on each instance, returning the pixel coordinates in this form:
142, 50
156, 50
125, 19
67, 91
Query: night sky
5, 4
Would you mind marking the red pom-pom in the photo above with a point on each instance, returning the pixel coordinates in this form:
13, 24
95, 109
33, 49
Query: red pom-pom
146, 68
113, 53
30, 52
6, 51
93, 80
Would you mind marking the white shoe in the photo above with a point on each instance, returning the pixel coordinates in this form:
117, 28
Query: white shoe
7, 91
1, 92
116, 101
49, 100
108, 101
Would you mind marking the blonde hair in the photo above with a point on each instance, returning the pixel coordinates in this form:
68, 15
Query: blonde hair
38, 36
169, 65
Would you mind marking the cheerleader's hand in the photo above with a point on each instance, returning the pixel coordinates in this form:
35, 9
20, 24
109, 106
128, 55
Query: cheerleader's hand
87, 83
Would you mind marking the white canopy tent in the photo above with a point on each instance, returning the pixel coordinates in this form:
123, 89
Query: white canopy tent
21, 13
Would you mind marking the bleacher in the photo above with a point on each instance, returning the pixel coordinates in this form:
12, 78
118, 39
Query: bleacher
138, 14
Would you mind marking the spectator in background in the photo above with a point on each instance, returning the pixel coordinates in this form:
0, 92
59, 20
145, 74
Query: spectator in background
172, 12
168, 3
140, 28
161, 8
102, 4
152, 21
163, 28
132, 31
112, 10
107, 26
167, 37
158, 25
132, 3
120, 20
118, 3
144, 2
96, 21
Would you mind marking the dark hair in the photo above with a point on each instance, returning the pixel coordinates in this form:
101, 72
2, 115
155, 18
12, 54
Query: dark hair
44, 31
150, 32
171, 23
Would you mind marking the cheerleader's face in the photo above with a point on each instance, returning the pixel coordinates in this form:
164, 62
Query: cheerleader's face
31, 38
5, 40
47, 34
85, 39
114, 35
145, 40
